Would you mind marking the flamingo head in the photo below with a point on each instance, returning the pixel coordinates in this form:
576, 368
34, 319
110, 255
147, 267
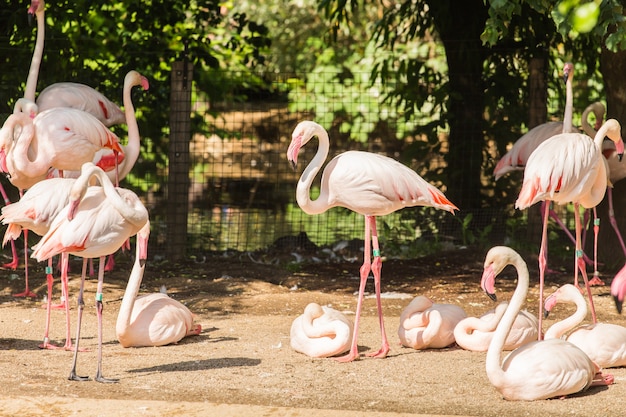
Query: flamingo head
618, 288
36, 6
487, 282
294, 148
568, 69
301, 135
134, 78
549, 304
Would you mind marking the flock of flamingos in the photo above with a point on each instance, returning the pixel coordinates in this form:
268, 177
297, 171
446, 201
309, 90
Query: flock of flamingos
58, 150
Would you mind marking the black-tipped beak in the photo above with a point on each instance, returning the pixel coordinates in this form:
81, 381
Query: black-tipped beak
620, 156
31, 17
293, 164
492, 296
618, 304
546, 313
142, 262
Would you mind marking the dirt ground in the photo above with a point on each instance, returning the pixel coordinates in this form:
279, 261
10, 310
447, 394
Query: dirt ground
242, 363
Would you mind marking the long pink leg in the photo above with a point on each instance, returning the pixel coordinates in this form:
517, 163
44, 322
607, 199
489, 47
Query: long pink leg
596, 231
543, 261
376, 269
73, 376
99, 307
27, 292
580, 264
50, 280
546, 206
365, 270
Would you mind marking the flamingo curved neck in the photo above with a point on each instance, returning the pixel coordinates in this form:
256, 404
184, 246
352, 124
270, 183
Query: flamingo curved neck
303, 190
21, 153
122, 325
569, 106
33, 73
559, 328
493, 364
608, 129
131, 150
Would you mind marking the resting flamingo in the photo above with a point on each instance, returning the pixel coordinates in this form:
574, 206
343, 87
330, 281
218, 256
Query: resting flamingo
428, 325
568, 168
538, 370
618, 288
604, 343
366, 183
151, 319
475, 333
95, 223
321, 332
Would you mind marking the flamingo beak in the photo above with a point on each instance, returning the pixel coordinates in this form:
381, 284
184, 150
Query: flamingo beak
565, 76
619, 148
294, 148
71, 213
487, 282
618, 303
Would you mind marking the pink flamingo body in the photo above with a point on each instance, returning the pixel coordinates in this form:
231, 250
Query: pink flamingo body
537, 370
568, 168
475, 333
604, 343
369, 184
151, 319
95, 223
61, 138
428, 325
321, 332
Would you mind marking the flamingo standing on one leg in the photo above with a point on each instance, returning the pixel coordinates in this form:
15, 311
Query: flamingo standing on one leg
604, 343
366, 183
151, 319
568, 168
538, 370
95, 223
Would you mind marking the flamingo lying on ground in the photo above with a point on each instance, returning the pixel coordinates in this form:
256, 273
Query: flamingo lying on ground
366, 183
538, 370
321, 332
428, 325
95, 223
568, 168
151, 319
604, 343
475, 333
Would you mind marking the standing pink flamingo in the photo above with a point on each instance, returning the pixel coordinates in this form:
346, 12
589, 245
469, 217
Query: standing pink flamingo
604, 343
517, 157
151, 319
475, 333
95, 223
366, 183
538, 370
321, 332
428, 325
60, 138
568, 168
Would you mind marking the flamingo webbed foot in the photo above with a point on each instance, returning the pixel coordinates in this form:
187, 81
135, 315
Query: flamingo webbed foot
595, 280
100, 378
11, 265
26, 293
601, 379
74, 377
351, 356
381, 354
195, 330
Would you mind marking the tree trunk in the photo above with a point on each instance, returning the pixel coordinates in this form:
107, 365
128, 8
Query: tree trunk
459, 24
613, 68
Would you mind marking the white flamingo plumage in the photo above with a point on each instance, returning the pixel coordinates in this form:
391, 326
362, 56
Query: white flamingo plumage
369, 184
568, 168
95, 223
425, 324
475, 333
151, 319
604, 343
538, 370
321, 332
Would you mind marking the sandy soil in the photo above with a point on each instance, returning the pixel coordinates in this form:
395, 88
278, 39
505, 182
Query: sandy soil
242, 364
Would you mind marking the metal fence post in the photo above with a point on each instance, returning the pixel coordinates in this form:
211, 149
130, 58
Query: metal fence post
178, 180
